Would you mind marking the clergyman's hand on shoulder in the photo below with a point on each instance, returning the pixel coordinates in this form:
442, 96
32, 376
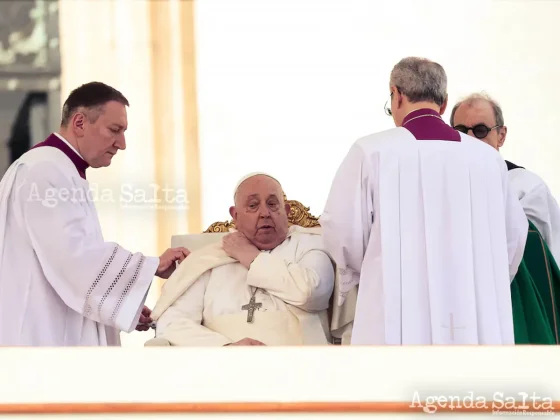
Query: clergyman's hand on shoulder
247, 342
168, 259
237, 246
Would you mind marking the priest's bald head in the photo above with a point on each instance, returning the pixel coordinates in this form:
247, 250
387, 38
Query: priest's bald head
260, 212
416, 83
94, 121
480, 116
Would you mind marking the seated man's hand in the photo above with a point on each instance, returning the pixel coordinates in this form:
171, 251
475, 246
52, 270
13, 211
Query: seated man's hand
168, 259
247, 342
237, 246
145, 320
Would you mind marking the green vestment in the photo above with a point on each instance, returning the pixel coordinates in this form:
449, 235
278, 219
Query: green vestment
535, 294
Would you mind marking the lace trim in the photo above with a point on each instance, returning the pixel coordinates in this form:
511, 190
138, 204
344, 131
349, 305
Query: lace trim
114, 283
345, 271
88, 306
128, 287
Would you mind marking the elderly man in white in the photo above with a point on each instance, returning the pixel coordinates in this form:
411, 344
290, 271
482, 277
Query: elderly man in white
265, 284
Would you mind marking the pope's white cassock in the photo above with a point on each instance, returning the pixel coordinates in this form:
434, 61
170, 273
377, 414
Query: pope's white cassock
205, 302
540, 206
61, 284
422, 220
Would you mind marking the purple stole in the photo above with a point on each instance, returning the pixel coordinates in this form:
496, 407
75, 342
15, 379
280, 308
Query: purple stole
54, 141
424, 127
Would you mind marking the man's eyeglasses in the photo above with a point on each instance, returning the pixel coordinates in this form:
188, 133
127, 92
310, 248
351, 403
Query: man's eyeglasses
388, 106
480, 131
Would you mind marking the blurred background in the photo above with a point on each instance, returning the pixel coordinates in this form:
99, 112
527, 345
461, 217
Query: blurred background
220, 88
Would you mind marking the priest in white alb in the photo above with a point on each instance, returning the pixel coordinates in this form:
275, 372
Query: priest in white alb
422, 221
265, 284
536, 287
482, 117
61, 284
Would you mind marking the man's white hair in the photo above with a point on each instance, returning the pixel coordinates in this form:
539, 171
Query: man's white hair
251, 175
420, 80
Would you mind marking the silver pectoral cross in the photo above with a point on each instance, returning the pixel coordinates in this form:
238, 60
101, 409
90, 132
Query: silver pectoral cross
250, 307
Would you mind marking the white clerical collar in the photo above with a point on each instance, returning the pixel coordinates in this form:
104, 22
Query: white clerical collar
69, 145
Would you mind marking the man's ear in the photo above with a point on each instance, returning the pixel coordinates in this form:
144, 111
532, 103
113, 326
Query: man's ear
233, 212
78, 122
443, 107
288, 208
398, 96
502, 136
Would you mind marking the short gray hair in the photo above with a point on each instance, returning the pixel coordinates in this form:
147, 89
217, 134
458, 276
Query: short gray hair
498, 114
420, 80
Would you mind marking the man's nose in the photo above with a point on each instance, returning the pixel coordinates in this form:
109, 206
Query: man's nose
121, 143
264, 212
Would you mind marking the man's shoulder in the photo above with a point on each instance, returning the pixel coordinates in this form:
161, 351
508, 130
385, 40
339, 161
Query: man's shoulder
399, 140
397, 137
44, 162
481, 152
479, 146
307, 237
44, 155
380, 139
525, 180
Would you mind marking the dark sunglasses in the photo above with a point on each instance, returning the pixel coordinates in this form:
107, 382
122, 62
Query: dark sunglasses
480, 131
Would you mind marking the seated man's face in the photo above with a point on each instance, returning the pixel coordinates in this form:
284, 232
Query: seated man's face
260, 212
479, 115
